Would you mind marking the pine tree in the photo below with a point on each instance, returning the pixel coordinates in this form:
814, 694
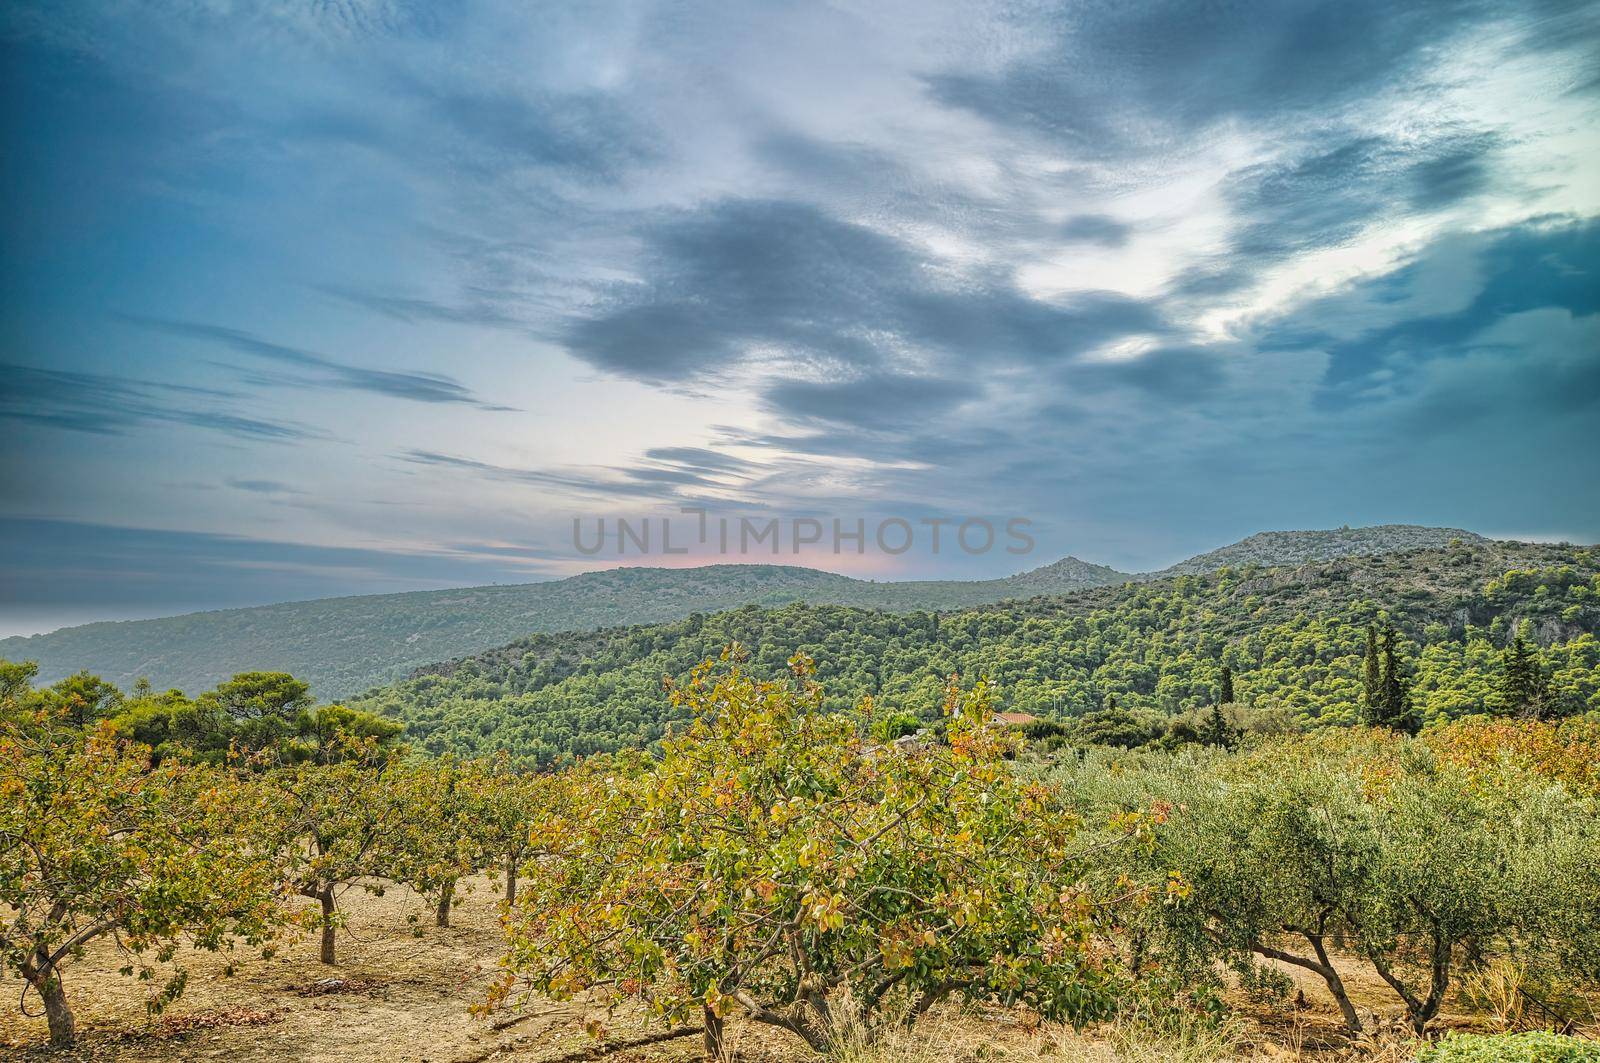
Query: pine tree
1226, 695
1372, 692
1523, 687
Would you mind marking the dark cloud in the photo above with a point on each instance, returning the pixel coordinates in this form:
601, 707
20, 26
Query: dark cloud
603, 483
411, 309
1452, 175
101, 404
327, 373
1330, 197
263, 487
1119, 77
592, 135
101, 565
743, 280
1172, 374
1551, 264
700, 458
1326, 199
1095, 229
876, 400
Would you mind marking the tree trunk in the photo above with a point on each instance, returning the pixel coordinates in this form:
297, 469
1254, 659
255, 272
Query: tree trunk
447, 894
1330, 975
63, 1028
1321, 966
326, 897
511, 879
716, 1046
1419, 1011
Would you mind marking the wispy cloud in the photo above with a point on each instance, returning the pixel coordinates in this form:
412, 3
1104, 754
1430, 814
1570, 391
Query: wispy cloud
102, 404
324, 372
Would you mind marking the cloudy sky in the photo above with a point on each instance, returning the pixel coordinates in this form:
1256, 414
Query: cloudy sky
329, 296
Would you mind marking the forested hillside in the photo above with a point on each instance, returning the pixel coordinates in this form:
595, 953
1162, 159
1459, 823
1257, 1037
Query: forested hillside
1297, 547
1293, 638
344, 645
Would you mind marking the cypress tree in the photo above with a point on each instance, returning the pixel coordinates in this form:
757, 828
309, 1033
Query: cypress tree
1218, 732
1226, 695
1372, 681
1394, 697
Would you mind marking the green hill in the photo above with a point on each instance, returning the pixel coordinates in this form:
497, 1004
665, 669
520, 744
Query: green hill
1293, 637
344, 645
1298, 547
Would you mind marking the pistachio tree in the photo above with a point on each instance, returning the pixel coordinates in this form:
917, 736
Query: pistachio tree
338, 827
96, 844
770, 863
439, 839
503, 802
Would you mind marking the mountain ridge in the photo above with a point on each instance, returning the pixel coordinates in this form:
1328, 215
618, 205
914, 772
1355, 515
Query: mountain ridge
1294, 637
1274, 548
348, 644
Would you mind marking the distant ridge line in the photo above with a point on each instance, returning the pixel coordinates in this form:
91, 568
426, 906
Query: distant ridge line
348, 644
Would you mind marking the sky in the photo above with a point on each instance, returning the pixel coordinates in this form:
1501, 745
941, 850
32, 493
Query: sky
302, 298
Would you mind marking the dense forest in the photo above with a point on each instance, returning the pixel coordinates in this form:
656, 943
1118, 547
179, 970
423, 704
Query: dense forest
1129, 658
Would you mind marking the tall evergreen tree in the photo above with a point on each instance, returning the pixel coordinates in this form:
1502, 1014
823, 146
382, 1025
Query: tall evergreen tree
1225, 697
1394, 694
1372, 680
1524, 690
1218, 731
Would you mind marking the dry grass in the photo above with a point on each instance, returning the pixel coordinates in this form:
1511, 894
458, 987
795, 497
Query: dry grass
404, 999
995, 1039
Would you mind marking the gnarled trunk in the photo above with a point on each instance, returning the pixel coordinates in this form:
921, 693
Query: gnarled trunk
326, 900
447, 894
716, 1046
1419, 1011
45, 978
1323, 966
511, 878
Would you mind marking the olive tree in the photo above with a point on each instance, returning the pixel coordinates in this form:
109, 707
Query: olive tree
1369, 838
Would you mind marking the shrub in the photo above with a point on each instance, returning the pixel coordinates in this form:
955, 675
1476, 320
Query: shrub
895, 725
1536, 1047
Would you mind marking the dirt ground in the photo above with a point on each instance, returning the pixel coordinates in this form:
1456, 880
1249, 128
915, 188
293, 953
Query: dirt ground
404, 997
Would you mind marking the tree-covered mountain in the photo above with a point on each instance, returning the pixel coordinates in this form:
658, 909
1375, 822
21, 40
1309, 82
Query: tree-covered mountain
1297, 547
1293, 638
344, 645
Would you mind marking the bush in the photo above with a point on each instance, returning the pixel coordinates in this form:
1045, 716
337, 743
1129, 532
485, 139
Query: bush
896, 725
1536, 1047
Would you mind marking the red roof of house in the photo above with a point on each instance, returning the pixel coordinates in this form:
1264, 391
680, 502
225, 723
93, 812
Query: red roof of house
1015, 719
